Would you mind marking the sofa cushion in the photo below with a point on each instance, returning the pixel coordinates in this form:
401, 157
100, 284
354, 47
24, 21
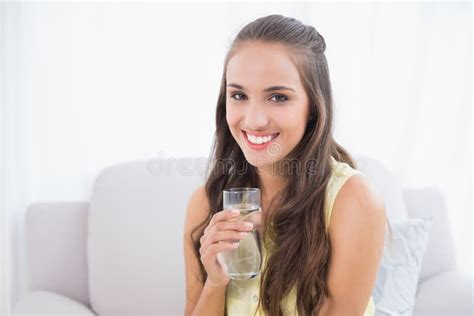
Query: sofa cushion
47, 303
448, 293
136, 221
397, 279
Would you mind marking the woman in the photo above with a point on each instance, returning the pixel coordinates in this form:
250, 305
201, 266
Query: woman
275, 106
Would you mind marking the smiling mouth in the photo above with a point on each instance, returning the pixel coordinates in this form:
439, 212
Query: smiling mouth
261, 145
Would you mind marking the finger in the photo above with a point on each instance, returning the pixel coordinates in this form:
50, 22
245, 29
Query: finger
224, 215
237, 225
254, 217
209, 255
227, 235
202, 240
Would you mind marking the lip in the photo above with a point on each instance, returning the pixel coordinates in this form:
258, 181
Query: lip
255, 146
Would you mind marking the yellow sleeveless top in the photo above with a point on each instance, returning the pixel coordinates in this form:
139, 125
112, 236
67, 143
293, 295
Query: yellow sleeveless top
242, 295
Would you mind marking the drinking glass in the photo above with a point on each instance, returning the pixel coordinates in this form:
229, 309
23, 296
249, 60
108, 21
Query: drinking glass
244, 262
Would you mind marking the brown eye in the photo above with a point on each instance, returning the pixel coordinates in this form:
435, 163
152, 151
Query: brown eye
239, 98
280, 98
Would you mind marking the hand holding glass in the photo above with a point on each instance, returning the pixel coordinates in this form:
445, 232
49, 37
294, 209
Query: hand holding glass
244, 262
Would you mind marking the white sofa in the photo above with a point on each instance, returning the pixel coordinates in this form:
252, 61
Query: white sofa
120, 253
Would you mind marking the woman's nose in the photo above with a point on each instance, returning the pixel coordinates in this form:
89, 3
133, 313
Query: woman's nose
255, 117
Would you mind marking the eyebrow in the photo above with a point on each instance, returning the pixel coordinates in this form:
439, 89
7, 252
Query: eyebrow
269, 89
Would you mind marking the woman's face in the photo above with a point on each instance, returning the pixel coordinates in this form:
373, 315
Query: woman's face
265, 97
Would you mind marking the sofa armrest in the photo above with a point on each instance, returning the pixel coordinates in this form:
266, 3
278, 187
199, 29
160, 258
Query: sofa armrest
46, 303
56, 254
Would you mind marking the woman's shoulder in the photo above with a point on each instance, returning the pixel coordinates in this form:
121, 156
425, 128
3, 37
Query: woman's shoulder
340, 168
340, 173
347, 186
343, 175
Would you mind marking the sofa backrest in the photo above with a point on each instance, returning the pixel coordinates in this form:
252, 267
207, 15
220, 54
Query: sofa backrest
135, 253
439, 254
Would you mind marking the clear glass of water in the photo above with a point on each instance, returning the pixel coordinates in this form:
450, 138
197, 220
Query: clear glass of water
244, 262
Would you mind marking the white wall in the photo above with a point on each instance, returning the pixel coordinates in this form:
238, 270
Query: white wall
87, 85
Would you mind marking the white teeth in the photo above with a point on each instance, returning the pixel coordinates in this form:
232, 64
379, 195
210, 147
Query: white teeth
259, 140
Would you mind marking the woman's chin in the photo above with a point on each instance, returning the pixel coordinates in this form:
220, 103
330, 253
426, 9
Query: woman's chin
261, 162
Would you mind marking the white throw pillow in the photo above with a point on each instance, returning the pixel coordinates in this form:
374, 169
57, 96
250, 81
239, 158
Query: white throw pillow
397, 280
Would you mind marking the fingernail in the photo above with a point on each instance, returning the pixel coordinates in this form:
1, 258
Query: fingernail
248, 225
234, 211
235, 244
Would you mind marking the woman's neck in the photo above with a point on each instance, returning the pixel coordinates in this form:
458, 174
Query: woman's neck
270, 183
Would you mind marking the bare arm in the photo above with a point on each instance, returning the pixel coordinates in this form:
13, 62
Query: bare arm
211, 302
356, 231
207, 299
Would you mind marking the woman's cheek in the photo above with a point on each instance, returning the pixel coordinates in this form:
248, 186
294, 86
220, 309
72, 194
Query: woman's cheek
232, 116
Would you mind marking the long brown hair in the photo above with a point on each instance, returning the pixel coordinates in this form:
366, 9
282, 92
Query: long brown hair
295, 221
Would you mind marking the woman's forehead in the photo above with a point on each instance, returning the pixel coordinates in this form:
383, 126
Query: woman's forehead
262, 65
